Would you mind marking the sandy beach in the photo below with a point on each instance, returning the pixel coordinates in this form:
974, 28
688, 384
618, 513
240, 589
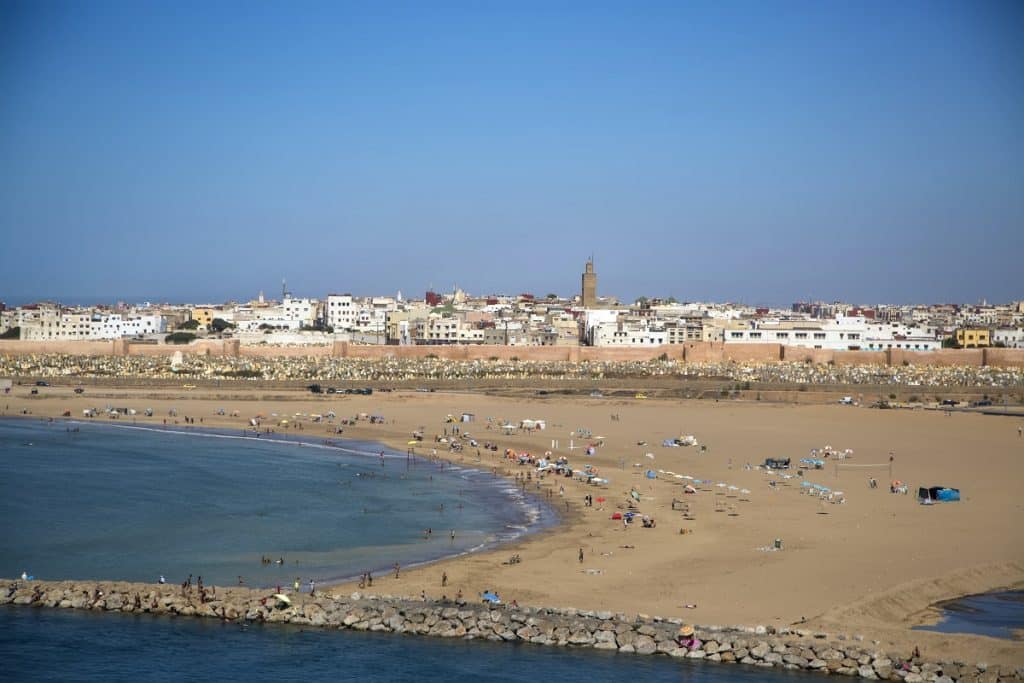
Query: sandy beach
872, 565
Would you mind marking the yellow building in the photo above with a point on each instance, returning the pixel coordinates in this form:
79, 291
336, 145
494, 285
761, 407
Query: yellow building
203, 316
972, 338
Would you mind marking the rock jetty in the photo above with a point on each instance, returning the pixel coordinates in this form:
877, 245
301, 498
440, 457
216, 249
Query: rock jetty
761, 646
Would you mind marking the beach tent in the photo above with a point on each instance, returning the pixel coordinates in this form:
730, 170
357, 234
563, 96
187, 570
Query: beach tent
651, 474
938, 494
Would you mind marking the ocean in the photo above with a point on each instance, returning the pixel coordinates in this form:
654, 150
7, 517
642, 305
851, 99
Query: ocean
999, 614
128, 503
71, 645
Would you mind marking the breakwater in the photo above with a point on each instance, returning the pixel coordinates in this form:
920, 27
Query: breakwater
759, 646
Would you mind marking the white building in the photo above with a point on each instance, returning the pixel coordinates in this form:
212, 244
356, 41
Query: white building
45, 324
340, 312
841, 333
1011, 338
302, 310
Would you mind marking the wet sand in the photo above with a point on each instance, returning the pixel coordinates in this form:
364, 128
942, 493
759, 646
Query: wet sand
872, 565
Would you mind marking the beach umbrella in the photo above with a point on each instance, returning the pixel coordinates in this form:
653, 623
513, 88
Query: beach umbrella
283, 598
491, 597
410, 443
600, 500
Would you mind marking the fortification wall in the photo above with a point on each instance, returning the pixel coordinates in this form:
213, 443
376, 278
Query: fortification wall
691, 352
15, 347
1004, 358
938, 358
753, 353
704, 352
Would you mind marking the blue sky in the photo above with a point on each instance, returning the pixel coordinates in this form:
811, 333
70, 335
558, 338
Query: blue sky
749, 151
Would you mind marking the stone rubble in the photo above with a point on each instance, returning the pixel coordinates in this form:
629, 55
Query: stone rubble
762, 646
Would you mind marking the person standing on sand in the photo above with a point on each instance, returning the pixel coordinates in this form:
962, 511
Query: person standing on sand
581, 555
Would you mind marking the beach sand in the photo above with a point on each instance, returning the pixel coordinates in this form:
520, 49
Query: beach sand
871, 566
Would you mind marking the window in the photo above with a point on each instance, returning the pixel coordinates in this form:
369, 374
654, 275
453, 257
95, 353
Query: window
782, 335
736, 335
819, 335
755, 335
801, 335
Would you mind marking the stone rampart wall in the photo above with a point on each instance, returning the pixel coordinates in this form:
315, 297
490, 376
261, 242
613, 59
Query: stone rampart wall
691, 352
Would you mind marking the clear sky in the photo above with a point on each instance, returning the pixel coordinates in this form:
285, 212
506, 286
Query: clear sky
749, 151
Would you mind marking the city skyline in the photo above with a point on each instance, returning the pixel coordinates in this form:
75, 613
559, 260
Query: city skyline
763, 154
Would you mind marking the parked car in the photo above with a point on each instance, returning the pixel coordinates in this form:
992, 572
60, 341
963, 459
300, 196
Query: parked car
41, 383
950, 402
79, 390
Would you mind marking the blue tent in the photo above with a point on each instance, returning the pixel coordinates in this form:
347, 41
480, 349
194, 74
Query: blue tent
938, 493
651, 474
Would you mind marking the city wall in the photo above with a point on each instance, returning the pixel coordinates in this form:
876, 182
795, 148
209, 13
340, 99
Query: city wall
691, 352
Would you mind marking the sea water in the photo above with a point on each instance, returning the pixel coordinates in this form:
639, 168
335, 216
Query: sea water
61, 645
82, 500
999, 614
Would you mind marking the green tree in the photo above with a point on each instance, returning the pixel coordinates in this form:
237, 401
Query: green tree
13, 333
189, 325
219, 325
179, 338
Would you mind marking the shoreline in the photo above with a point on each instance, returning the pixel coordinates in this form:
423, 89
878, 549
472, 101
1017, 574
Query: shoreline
547, 517
760, 646
714, 568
